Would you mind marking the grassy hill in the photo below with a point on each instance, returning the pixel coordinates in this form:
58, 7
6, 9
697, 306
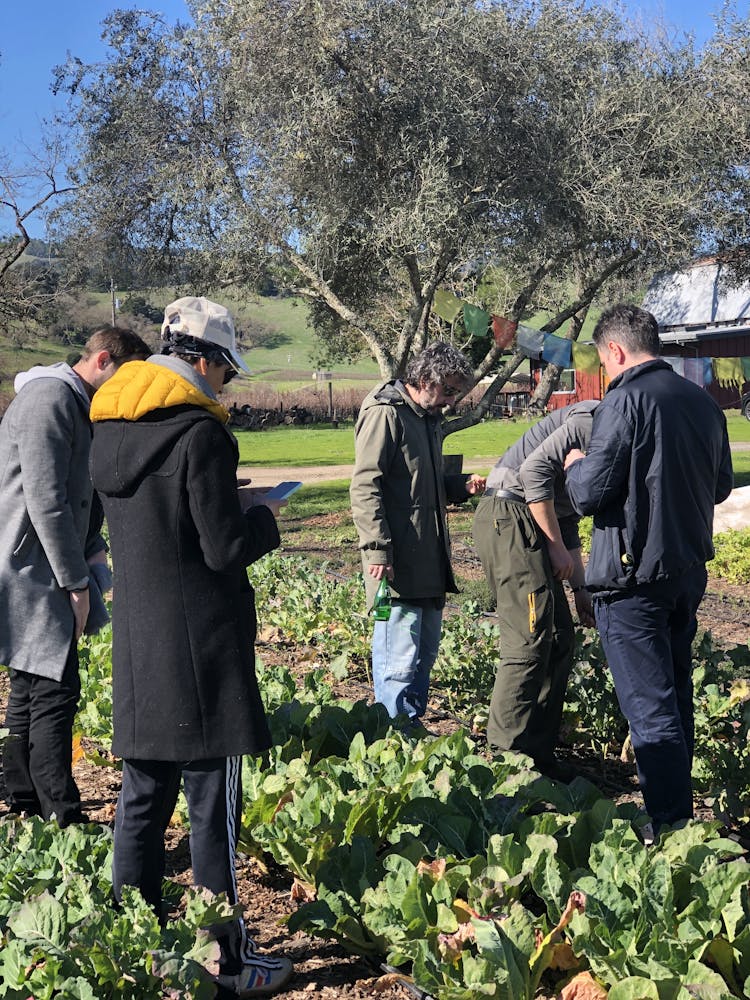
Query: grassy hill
283, 361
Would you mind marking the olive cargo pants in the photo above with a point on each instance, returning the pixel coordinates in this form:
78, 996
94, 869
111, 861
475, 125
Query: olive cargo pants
536, 630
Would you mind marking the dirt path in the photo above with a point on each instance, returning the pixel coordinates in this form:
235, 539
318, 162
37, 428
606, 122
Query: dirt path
306, 474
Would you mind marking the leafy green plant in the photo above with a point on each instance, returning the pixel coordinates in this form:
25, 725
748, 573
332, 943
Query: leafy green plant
62, 936
95, 666
592, 714
732, 559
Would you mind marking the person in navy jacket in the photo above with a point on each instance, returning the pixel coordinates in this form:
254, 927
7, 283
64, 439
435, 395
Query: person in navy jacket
658, 462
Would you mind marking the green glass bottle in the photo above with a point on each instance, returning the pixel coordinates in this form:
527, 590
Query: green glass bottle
381, 606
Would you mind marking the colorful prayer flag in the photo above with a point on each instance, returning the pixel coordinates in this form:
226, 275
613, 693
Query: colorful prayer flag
676, 363
585, 358
698, 370
476, 320
556, 350
446, 305
503, 330
530, 341
728, 372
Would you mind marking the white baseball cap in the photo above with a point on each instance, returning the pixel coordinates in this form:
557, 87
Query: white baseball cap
204, 320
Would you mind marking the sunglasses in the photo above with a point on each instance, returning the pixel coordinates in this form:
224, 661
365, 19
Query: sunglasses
229, 375
450, 390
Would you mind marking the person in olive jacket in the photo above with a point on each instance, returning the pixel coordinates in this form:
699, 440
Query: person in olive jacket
186, 703
399, 494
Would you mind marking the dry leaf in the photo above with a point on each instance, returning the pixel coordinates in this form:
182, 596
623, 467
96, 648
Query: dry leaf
270, 635
434, 868
388, 981
583, 987
462, 911
78, 752
563, 957
452, 945
576, 904
286, 797
302, 892
107, 812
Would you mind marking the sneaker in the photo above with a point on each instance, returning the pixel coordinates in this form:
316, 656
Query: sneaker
647, 835
264, 975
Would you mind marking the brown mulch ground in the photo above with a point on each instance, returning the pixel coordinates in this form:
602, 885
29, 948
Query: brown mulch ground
323, 969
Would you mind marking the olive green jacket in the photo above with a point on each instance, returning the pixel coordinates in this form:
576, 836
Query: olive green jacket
399, 494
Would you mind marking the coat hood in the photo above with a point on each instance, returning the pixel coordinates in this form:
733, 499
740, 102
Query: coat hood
61, 371
138, 416
141, 387
392, 393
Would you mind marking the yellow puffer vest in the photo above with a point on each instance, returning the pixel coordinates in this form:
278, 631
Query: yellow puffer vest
140, 387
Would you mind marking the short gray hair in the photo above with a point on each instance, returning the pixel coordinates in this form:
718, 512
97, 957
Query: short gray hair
439, 363
635, 328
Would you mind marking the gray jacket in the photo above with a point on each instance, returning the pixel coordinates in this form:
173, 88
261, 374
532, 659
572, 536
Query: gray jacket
45, 497
533, 466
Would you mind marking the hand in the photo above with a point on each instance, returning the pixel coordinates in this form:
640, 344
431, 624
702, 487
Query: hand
379, 570
476, 484
80, 602
255, 496
561, 560
584, 608
273, 505
249, 496
574, 455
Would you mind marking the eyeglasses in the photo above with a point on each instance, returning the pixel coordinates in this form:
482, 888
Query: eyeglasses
450, 390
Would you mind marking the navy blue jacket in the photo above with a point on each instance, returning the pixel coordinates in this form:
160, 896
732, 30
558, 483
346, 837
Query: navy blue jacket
657, 464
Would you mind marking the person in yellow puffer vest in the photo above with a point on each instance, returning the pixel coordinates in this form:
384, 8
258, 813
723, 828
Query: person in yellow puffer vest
186, 703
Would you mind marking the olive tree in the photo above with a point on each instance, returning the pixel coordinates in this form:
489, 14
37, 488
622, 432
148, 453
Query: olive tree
372, 153
25, 192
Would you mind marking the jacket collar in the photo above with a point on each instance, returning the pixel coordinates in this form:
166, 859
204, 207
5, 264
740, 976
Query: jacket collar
629, 374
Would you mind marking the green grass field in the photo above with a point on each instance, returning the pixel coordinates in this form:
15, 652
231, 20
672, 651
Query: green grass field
326, 446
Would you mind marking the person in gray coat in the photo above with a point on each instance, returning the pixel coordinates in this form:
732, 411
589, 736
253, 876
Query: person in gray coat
48, 543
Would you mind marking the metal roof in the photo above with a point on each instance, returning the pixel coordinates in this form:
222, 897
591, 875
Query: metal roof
703, 301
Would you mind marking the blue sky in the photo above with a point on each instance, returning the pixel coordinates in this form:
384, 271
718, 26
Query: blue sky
37, 35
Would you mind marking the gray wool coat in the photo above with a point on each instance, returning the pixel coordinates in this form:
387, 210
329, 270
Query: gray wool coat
45, 499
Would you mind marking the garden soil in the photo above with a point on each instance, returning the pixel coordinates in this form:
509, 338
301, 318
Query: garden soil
322, 969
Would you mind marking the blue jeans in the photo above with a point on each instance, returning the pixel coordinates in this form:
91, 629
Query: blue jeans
646, 634
403, 651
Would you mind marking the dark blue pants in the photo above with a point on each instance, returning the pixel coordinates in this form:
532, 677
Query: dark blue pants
213, 789
37, 758
647, 633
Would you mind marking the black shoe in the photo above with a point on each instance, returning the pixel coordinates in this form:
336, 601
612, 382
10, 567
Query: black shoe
557, 770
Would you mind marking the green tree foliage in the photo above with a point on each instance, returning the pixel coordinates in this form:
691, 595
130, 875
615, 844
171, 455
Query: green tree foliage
371, 153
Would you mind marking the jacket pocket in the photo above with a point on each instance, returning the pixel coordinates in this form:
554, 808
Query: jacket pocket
25, 544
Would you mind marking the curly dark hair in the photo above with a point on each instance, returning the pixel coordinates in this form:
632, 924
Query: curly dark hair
439, 363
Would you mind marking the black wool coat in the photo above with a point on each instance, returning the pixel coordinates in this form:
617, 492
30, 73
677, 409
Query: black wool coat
184, 685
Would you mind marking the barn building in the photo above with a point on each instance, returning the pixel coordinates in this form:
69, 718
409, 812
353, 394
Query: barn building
702, 311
